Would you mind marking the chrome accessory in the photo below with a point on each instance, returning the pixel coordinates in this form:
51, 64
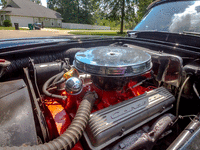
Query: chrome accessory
73, 85
113, 61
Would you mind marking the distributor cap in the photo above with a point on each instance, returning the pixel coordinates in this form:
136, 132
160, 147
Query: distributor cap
113, 61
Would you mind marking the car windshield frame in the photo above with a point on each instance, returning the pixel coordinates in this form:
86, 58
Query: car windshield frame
173, 17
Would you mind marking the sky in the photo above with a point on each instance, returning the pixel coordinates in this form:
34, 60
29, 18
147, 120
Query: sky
44, 3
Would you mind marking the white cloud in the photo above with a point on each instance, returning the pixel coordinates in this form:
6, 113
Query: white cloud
44, 3
188, 20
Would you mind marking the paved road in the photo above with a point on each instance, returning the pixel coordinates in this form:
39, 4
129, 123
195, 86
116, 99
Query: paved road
6, 34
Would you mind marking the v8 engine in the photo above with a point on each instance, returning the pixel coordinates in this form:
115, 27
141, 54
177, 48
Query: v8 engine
109, 98
122, 78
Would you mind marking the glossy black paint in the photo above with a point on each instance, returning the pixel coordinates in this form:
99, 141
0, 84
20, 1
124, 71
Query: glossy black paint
193, 67
180, 40
159, 2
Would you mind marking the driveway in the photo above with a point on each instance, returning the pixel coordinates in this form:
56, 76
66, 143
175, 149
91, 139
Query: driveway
6, 34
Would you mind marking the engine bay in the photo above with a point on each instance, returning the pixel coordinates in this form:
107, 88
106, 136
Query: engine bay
133, 95
117, 80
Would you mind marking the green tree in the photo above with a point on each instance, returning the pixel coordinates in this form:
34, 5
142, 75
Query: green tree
142, 8
7, 23
51, 4
117, 12
36, 1
75, 11
122, 10
3, 3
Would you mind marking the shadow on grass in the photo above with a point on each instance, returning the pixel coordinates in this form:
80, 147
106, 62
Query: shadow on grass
108, 33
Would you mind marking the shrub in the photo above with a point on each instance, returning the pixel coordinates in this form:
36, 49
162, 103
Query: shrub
7, 23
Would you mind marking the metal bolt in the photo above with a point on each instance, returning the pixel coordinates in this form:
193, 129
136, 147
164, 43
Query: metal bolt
122, 131
122, 145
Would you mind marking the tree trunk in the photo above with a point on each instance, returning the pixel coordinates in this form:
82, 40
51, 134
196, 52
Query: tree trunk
122, 17
78, 12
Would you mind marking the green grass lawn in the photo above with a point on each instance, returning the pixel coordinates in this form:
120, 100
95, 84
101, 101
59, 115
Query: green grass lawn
92, 31
10, 28
98, 32
80, 31
56, 28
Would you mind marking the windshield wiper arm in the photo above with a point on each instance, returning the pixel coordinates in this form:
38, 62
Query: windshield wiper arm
191, 33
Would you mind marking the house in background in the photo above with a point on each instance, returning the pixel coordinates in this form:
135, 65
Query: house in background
26, 12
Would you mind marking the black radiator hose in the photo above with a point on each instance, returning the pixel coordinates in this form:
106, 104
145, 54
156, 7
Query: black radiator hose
72, 135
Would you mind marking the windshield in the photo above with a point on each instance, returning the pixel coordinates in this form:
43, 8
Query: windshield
172, 17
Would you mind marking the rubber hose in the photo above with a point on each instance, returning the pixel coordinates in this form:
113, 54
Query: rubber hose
72, 135
57, 83
58, 77
195, 90
46, 85
179, 96
17, 65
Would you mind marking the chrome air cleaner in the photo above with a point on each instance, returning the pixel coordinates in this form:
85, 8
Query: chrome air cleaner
113, 61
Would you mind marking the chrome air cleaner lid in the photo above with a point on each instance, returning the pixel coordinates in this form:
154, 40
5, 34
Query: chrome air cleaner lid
113, 61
